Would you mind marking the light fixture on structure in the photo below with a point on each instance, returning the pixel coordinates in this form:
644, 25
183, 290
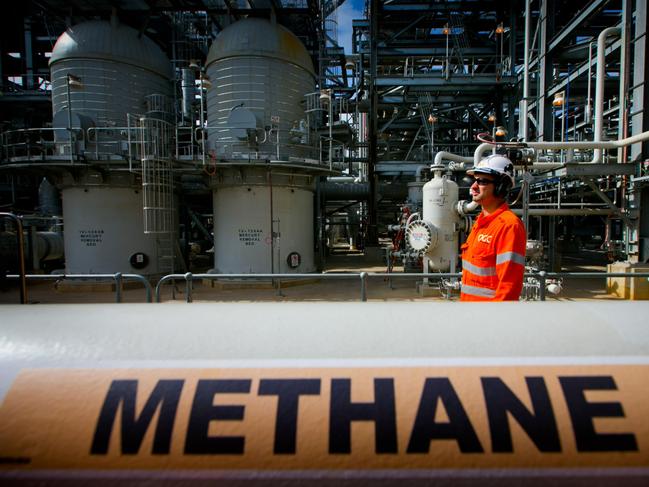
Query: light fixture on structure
432, 120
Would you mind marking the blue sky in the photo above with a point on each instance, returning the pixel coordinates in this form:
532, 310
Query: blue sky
351, 9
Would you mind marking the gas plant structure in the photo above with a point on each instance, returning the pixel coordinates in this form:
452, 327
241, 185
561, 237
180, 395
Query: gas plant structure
241, 140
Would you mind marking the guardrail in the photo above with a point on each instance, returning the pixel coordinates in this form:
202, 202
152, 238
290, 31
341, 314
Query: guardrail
543, 276
118, 277
20, 244
362, 278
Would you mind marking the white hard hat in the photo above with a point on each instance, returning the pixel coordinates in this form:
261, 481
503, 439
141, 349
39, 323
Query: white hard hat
496, 165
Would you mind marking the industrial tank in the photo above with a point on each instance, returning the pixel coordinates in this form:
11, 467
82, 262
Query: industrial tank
440, 196
107, 71
103, 230
259, 73
259, 232
263, 212
110, 69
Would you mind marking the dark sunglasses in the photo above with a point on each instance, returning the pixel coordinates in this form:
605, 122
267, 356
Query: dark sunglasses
482, 181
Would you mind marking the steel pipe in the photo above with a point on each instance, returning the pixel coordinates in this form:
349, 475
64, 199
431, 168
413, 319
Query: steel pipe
325, 393
600, 77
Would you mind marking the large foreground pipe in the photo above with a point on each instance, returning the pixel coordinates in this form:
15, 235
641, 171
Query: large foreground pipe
325, 394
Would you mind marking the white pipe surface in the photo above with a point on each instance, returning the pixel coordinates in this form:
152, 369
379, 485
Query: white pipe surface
599, 87
142, 394
584, 144
442, 156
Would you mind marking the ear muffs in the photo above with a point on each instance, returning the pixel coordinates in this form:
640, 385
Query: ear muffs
502, 187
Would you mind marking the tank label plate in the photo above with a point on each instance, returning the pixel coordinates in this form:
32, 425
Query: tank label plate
250, 236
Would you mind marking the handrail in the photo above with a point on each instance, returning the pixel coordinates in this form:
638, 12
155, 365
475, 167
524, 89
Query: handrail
189, 277
362, 277
21, 254
118, 277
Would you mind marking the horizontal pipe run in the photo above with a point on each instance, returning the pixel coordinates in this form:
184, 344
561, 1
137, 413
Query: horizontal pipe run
442, 156
566, 211
610, 144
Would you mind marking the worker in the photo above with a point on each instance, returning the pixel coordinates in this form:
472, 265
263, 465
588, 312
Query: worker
493, 257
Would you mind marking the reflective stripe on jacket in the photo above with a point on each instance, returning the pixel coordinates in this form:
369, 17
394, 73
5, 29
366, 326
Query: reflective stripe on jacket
493, 258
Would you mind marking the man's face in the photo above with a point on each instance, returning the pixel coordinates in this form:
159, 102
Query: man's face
482, 189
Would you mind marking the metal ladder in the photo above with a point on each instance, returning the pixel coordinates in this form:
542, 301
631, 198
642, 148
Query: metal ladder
157, 187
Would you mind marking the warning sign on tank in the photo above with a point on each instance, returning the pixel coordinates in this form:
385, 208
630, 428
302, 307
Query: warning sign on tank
91, 238
250, 236
327, 418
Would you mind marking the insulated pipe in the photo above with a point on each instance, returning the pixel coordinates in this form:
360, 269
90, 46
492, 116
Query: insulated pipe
345, 191
449, 156
588, 114
565, 211
188, 85
464, 207
341, 179
49, 245
609, 144
325, 393
599, 87
418, 172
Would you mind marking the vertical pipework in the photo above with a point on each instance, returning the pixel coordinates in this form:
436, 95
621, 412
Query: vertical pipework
189, 92
599, 86
524, 127
625, 48
588, 114
372, 238
29, 55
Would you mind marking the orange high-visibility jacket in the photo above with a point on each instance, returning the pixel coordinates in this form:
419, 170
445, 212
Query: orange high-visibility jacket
493, 258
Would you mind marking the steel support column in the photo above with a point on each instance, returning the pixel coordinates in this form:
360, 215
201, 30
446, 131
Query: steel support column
544, 109
372, 237
640, 115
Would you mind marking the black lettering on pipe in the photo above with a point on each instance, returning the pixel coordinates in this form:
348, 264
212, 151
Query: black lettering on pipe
203, 411
381, 412
540, 425
164, 397
582, 413
458, 427
288, 392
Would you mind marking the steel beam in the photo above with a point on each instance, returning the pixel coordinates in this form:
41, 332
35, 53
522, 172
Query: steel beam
593, 7
640, 115
456, 83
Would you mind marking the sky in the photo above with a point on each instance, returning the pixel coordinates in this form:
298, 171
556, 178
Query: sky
351, 9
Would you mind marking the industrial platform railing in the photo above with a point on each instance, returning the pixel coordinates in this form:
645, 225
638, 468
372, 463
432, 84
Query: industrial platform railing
118, 277
361, 277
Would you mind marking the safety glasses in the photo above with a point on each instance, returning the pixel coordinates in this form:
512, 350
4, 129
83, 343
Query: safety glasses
482, 181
